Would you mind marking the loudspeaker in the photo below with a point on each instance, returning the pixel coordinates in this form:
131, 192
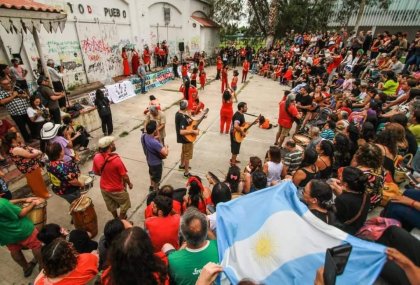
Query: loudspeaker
181, 46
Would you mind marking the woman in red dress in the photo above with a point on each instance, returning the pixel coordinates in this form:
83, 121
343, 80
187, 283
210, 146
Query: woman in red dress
226, 112
125, 62
135, 60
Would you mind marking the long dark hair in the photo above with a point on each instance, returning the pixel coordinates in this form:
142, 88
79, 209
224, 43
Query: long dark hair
355, 179
195, 192
58, 258
133, 261
323, 193
309, 158
328, 149
233, 177
387, 139
226, 95
99, 96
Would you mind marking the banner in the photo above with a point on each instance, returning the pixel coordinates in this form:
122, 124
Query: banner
120, 91
153, 80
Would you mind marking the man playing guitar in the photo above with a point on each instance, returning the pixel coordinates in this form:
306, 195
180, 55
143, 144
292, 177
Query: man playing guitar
238, 126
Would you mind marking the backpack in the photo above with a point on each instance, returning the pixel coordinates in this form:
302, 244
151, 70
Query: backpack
103, 108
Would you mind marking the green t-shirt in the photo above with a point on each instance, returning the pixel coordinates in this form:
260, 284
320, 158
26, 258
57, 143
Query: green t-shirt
415, 129
13, 228
185, 265
390, 87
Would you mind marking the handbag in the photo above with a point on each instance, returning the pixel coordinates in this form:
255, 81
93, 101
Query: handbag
400, 169
375, 227
389, 191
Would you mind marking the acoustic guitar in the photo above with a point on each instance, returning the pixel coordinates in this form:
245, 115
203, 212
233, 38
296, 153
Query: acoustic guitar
238, 136
194, 126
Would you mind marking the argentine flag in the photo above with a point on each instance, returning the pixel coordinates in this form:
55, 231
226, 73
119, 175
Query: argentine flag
271, 237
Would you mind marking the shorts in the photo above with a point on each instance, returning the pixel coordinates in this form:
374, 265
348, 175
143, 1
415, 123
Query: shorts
30, 242
284, 131
155, 172
234, 88
187, 151
235, 147
115, 200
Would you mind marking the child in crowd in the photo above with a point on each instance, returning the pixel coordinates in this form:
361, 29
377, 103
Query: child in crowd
234, 83
198, 106
265, 123
328, 131
203, 78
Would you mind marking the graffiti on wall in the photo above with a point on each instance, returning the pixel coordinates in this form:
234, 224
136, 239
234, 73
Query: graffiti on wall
195, 44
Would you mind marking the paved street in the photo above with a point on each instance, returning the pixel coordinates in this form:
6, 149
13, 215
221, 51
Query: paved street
211, 150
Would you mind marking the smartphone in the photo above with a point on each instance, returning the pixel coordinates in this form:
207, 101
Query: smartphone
335, 262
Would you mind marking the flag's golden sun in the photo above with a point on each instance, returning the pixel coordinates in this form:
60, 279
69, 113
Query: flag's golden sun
265, 247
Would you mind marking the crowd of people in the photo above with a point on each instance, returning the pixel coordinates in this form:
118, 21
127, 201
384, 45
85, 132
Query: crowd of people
354, 110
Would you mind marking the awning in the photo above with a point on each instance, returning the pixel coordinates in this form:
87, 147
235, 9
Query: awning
16, 15
206, 22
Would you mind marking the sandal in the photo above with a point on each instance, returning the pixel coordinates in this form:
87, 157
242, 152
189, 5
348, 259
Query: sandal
28, 271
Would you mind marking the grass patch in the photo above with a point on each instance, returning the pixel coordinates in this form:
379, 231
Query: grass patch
123, 134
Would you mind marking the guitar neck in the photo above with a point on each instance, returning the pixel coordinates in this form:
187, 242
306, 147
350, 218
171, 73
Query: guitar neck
247, 128
201, 119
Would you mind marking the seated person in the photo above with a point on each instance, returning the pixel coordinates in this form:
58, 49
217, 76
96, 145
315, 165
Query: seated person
328, 131
168, 191
292, 159
5, 127
163, 227
76, 134
318, 195
264, 123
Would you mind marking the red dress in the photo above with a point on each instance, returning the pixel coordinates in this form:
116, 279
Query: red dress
125, 64
146, 57
226, 114
135, 61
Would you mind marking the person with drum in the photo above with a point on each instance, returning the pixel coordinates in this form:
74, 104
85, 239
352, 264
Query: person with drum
114, 178
18, 231
63, 175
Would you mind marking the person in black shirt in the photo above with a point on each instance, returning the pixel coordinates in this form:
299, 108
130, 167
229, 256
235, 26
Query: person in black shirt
304, 104
182, 120
238, 120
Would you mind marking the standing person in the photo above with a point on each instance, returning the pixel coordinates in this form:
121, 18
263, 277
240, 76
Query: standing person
234, 82
194, 74
226, 112
225, 82
182, 121
146, 58
156, 55
245, 69
104, 110
175, 63
16, 104
288, 113
114, 178
159, 117
135, 58
155, 153
18, 232
184, 71
219, 66
26, 160
162, 55
126, 66
19, 73
141, 72
203, 78
238, 121
56, 74
51, 97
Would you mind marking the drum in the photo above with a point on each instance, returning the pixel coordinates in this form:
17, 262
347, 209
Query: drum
301, 140
84, 215
87, 182
38, 214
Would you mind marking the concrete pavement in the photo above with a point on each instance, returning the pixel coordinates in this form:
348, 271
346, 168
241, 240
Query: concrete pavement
211, 150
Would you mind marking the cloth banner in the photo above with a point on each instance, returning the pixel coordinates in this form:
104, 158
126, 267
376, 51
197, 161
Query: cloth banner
153, 80
120, 91
281, 242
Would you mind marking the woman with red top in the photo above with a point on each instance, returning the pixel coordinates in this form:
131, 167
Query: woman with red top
245, 69
62, 265
194, 77
202, 79
225, 83
197, 195
226, 112
168, 191
234, 83
201, 64
219, 66
125, 62
146, 58
132, 261
184, 70
190, 93
135, 60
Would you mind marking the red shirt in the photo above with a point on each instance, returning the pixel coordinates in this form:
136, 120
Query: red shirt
285, 120
234, 82
197, 108
156, 50
219, 64
4, 128
86, 269
288, 75
194, 76
113, 172
224, 74
184, 71
106, 278
176, 207
146, 56
162, 52
163, 230
203, 78
227, 108
245, 66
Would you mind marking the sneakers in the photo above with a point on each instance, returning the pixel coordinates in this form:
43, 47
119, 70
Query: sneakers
183, 167
187, 175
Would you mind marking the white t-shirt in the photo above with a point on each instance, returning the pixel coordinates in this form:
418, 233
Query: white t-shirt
31, 113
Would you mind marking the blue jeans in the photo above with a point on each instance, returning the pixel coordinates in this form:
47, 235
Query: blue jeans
414, 59
143, 85
408, 216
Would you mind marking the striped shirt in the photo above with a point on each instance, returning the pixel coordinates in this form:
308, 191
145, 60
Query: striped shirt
292, 160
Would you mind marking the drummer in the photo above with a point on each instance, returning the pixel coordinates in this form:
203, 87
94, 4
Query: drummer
18, 231
63, 175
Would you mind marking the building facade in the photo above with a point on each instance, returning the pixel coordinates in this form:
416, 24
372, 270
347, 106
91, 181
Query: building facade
400, 16
90, 45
